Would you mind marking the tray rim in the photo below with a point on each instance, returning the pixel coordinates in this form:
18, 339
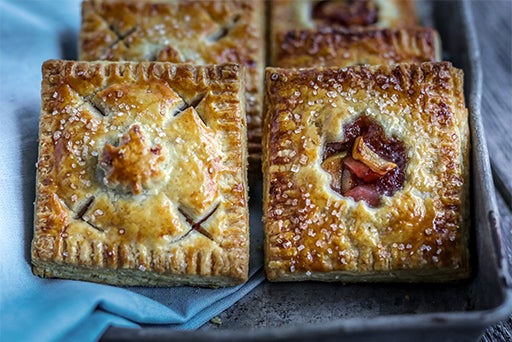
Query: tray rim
479, 319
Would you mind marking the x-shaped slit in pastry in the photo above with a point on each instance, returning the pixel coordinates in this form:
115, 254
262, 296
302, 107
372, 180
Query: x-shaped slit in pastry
223, 31
86, 206
197, 225
121, 37
81, 213
193, 103
96, 105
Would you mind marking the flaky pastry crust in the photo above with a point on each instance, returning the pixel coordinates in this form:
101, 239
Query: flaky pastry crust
297, 15
419, 232
182, 31
141, 176
341, 47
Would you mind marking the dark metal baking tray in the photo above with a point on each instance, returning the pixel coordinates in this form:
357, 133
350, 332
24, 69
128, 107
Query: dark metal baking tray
397, 312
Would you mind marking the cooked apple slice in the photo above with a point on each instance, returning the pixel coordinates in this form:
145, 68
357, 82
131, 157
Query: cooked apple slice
361, 170
347, 181
334, 166
363, 153
365, 192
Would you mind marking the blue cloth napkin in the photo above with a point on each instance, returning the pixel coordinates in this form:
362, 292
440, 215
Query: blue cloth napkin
35, 309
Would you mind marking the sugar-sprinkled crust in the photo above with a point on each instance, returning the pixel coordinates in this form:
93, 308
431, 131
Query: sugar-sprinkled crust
296, 15
289, 15
420, 232
341, 47
141, 177
182, 31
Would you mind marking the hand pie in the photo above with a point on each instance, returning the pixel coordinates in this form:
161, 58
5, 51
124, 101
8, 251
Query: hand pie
141, 174
366, 173
289, 15
181, 31
342, 47
295, 15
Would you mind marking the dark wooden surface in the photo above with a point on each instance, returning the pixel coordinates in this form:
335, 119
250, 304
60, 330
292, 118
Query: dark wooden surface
493, 20
494, 27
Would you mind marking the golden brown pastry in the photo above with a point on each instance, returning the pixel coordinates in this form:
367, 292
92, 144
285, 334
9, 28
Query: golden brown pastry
342, 47
366, 173
291, 15
141, 177
181, 31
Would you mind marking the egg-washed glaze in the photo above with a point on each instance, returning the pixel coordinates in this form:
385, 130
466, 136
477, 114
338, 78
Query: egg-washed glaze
141, 176
340, 47
182, 31
297, 15
420, 232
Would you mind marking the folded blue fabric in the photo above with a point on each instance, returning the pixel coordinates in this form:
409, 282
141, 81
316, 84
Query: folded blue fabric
68, 310
35, 309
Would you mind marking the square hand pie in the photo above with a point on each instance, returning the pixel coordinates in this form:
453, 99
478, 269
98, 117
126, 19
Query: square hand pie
141, 176
290, 15
181, 31
341, 47
366, 173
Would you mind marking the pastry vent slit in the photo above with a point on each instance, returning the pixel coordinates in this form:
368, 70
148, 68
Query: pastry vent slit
197, 100
179, 109
81, 213
223, 30
221, 33
98, 108
85, 207
121, 37
91, 101
194, 103
94, 226
197, 225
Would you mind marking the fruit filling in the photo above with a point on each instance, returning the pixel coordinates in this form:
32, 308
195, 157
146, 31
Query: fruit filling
366, 164
346, 12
